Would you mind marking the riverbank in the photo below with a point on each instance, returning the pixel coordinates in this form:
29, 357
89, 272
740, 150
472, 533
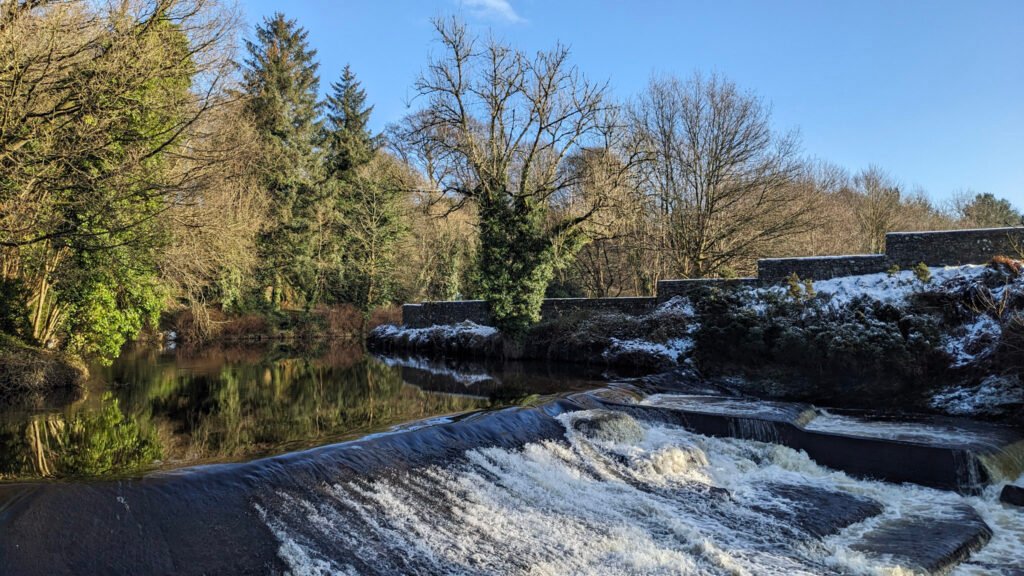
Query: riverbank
26, 371
942, 339
323, 323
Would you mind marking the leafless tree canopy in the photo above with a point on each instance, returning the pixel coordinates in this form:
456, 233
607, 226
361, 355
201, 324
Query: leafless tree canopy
718, 174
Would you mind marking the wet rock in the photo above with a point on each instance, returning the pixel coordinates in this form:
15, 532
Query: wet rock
818, 511
609, 426
927, 544
1012, 495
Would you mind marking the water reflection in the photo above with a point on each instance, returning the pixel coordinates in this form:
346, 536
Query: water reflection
154, 409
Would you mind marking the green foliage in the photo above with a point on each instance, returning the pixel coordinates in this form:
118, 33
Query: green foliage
106, 314
517, 259
280, 78
105, 442
14, 318
987, 211
853, 346
374, 224
893, 270
922, 273
347, 139
799, 290
809, 291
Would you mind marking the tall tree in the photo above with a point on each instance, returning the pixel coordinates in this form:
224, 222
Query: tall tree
984, 210
720, 175
281, 81
501, 124
348, 142
96, 140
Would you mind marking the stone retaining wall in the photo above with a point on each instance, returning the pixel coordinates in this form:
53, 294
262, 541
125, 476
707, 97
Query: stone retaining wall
477, 311
668, 289
953, 248
820, 267
904, 249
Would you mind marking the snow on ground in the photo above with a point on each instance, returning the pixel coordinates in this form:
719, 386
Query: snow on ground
979, 339
434, 333
985, 398
672, 351
884, 287
675, 350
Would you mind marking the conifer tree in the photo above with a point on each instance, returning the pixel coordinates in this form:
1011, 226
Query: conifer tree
280, 78
347, 139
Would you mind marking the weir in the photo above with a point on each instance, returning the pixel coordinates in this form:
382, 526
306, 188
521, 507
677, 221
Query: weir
629, 466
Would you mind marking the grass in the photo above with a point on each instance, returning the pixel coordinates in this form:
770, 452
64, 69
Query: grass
27, 370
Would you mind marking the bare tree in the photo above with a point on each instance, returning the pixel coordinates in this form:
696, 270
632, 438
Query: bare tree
719, 175
500, 125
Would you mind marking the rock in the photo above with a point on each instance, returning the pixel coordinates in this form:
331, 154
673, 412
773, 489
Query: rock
927, 544
818, 511
1012, 495
609, 426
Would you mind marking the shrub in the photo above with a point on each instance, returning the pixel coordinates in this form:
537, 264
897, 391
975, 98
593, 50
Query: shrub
923, 273
893, 270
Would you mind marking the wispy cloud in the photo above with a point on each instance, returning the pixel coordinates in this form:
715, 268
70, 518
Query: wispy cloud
500, 9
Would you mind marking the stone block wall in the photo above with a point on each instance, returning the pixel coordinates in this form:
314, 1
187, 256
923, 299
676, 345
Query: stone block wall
452, 312
904, 249
668, 289
820, 267
952, 248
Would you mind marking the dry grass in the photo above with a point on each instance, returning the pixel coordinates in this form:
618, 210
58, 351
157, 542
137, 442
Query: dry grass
24, 369
1007, 265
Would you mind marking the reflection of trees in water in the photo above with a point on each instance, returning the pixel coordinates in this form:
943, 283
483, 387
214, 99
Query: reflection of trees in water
86, 443
249, 409
215, 404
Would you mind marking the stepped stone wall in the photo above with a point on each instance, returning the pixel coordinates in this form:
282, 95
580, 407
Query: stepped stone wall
903, 249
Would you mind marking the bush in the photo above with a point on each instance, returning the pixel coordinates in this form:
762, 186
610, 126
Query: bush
849, 347
923, 273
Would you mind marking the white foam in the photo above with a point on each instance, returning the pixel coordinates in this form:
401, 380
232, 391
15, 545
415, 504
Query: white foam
602, 507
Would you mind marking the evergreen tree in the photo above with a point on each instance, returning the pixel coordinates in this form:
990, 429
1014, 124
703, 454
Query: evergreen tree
987, 211
347, 140
365, 194
280, 78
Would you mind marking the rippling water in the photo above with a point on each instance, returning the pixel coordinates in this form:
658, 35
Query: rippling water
663, 501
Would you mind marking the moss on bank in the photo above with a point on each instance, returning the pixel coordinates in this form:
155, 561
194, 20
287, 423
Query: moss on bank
25, 370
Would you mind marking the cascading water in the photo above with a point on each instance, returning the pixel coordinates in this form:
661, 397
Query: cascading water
619, 497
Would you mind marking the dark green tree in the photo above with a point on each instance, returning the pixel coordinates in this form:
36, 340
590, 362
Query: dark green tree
986, 211
281, 81
348, 142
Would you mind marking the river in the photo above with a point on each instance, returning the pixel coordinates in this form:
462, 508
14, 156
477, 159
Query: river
264, 461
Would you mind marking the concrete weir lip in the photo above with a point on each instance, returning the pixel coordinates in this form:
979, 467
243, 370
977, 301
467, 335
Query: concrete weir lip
965, 458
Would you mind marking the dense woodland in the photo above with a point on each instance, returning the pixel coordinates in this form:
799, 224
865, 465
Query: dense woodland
155, 166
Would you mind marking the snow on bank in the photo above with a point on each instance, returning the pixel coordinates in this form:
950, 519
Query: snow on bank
672, 352
988, 397
893, 288
466, 329
978, 340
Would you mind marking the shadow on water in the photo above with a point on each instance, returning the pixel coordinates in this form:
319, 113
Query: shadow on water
156, 409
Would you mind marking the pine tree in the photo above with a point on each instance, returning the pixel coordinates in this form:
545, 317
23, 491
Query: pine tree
347, 140
280, 78
368, 222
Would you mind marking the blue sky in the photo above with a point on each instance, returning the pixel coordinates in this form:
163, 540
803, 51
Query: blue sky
932, 91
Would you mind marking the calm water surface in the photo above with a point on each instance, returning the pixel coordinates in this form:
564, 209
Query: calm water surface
157, 409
